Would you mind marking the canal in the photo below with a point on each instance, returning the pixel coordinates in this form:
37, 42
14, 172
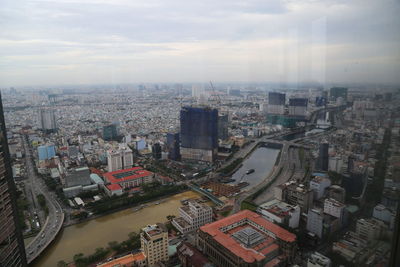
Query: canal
262, 160
86, 237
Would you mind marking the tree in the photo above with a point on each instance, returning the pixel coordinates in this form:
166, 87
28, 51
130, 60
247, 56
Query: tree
62, 264
170, 217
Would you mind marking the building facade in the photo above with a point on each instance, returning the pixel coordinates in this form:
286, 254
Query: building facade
319, 184
192, 216
12, 250
277, 211
173, 143
298, 107
47, 120
129, 178
295, 194
318, 260
276, 103
110, 132
119, 159
223, 121
199, 133
315, 221
323, 157
154, 244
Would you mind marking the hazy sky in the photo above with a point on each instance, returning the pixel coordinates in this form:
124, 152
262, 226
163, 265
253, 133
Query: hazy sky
59, 42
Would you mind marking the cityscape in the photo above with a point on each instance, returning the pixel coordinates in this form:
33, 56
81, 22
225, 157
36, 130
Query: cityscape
183, 134
218, 176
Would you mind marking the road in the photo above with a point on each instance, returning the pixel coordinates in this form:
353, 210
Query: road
52, 224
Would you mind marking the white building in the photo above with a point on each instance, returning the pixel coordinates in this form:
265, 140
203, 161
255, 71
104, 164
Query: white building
47, 119
192, 216
335, 164
119, 159
318, 260
318, 185
370, 229
280, 212
315, 221
334, 208
154, 244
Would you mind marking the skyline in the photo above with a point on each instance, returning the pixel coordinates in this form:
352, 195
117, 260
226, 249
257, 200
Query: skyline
64, 43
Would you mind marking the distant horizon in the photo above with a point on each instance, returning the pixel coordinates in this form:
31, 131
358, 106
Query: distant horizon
281, 85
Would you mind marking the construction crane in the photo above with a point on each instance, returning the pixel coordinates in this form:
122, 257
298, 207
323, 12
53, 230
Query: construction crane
214, 97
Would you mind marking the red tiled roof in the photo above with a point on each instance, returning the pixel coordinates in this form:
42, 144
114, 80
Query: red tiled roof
228, 242
125, 260
139, 173
114, 187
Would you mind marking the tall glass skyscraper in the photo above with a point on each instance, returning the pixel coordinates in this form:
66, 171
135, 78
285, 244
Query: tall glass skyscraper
12, 251
199, 133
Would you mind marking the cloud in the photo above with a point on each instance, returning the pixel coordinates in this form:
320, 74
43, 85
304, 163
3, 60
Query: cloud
69, 41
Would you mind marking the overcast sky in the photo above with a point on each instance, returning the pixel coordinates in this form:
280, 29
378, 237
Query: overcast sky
60, 42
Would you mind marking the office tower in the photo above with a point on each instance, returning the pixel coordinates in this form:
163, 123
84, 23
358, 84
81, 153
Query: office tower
110, 132
337, 92
298, 106
223, 126
119, 159
323, 157
156, 151
246, 239
173, 144
47, 120
154, 243
12, 250
199, 133
276, 103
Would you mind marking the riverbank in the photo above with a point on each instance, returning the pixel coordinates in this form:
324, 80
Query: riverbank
96, 216
85, 237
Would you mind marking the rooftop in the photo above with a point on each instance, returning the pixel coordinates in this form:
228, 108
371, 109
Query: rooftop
114, 187
233, 239
127, 174
125, 260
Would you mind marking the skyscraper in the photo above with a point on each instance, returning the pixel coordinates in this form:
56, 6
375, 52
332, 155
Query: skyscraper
12, 251
223, 126
323, 157
110, 132
199, 133
156, 151
298, 106
47, 120
276, 103
173, 143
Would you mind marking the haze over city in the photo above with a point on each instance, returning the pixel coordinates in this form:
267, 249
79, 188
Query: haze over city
93, 42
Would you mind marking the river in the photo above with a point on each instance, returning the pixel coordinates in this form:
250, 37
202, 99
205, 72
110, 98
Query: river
262, 160
86, 237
